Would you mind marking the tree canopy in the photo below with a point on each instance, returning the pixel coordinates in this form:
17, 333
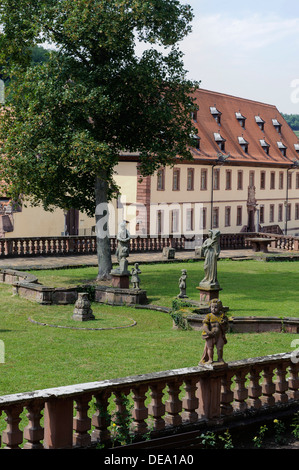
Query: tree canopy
66, 119
292, 120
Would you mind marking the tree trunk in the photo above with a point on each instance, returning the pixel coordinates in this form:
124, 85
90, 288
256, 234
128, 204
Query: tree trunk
102, 229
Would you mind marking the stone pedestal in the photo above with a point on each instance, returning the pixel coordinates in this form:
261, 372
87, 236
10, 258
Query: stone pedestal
209, 393
82, 311
208, 293
117, 296
120, 281
168, 252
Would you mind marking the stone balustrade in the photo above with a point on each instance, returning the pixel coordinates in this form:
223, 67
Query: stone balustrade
162, 403
76, 245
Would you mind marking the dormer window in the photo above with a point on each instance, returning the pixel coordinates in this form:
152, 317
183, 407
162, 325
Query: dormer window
216, 114
265, 146
194, 115
220, 141
196, 141
296, 148
277, 125
260, 122
241, 119
243, 143
282, 148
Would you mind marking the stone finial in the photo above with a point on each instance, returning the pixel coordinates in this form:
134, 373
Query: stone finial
83, 311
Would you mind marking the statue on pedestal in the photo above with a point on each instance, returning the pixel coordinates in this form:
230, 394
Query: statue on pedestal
211, 250
135, 280
122, 251
183, 284
215, 326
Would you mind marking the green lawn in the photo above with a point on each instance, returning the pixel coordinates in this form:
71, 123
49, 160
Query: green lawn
40, 357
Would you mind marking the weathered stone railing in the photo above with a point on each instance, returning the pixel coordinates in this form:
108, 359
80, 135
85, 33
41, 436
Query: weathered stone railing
76, 245
163, 402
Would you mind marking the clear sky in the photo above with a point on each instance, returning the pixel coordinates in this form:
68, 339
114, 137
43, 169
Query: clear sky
248, 49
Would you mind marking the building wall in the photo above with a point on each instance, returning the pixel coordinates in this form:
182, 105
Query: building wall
36, 222
270, 193
231, 204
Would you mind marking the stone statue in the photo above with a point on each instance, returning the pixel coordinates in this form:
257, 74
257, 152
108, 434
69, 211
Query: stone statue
211, 250
135, 280
215, 325
183, 284
122, 251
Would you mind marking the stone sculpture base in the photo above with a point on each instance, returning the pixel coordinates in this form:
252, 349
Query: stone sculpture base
120, 281
117, 296
83, 311
168, 253
208, 293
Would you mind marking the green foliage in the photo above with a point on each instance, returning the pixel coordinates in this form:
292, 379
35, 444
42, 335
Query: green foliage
121, 431
259, 438
178, 316
279, 431
227, 440
67, 118
292, 120
208, 440
295, 425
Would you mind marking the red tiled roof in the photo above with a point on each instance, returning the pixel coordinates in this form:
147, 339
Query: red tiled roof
231, 130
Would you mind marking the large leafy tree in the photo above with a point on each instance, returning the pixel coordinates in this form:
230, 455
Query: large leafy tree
67, 118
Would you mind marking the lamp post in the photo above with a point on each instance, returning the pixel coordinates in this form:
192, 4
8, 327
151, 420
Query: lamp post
221, 158
294, 165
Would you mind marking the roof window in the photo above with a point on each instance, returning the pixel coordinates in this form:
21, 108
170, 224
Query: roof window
196, 140
265, 146
241, 119
277, 125
243, 143
260, 122
216, 114
282, 148
296, 147
219, 140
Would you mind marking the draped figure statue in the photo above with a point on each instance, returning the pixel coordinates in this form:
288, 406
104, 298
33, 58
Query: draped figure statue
211, 250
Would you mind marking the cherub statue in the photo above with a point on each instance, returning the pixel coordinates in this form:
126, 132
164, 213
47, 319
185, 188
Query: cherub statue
215, 325
183, 284
135, 280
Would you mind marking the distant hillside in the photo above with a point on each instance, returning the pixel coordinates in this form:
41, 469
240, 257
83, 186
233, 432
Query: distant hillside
292, 120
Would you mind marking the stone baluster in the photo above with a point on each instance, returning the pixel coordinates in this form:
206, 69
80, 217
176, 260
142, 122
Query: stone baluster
156, 408
101, 419
281, 384
58, 423
173, 405
12, 437
240, 391
254, 389
227, 395
268, 387
33, 432
81, 422
140, 412
293, 381
121, 418
190, 401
